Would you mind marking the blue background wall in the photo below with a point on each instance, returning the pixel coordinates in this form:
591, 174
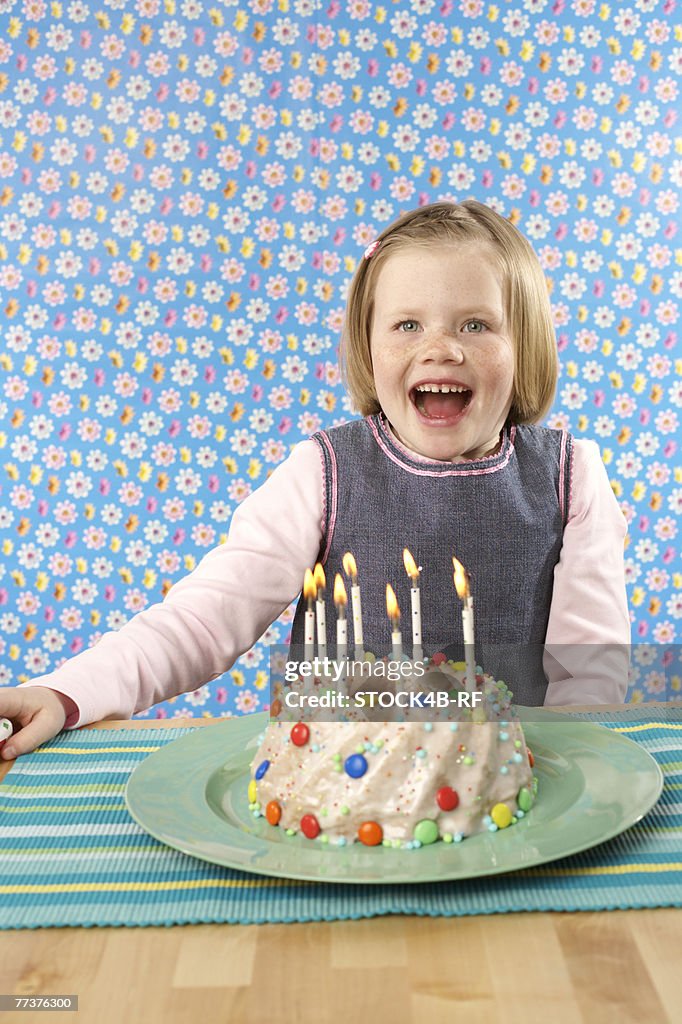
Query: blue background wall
184, 192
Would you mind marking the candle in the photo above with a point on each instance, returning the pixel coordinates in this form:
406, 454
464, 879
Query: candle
394, 615
461, 578
351, 569
320, 583
340, 600
415, 596
309, 593
6, 729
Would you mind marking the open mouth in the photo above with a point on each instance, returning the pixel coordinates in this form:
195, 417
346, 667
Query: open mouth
441, 401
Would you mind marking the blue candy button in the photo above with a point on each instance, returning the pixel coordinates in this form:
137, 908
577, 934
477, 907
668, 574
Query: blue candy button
355, 766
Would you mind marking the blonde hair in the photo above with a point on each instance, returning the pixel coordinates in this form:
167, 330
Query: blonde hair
526, 299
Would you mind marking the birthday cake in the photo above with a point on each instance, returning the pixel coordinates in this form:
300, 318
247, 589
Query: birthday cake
405, 783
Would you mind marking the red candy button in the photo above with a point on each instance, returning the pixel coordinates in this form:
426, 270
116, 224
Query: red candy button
310, 826
300, 734
447, 799
273, 812
370, 833
438, 658
531, 759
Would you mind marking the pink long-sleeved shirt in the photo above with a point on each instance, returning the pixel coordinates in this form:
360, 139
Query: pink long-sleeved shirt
217, 612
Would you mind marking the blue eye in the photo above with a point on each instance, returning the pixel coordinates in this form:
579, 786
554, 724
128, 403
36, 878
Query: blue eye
474, 327
408, 326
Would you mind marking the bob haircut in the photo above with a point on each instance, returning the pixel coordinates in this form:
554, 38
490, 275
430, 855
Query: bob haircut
526, 299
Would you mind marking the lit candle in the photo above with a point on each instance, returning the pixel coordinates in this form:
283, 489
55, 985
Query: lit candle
309, 593
394, 615
415, 596
352, 570
340, 600
461, 578
320, 583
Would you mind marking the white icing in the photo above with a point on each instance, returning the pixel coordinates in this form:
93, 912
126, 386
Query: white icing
407, 763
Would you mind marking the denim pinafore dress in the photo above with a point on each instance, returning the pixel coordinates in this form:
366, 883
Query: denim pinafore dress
502, 516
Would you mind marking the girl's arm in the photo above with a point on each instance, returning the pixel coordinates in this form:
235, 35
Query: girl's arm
588, 635
209, 618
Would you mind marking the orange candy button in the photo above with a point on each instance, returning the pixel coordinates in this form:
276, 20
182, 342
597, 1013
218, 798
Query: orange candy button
531, 759
370, 833
273, 812
275, 708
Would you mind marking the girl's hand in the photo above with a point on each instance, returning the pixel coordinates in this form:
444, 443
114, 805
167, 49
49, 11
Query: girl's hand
36, 713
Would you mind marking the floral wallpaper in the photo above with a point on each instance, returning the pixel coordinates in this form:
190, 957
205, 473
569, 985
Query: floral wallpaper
185, 189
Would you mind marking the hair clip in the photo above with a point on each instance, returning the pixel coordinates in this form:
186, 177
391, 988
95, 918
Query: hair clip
371, 249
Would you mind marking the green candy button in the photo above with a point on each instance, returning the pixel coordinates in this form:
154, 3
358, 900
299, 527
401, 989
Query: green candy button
426, 832
525, 799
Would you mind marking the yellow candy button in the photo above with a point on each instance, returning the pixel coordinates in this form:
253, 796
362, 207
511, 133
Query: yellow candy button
253, 791
501, 815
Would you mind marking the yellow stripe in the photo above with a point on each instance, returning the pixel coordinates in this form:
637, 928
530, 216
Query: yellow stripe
219, 883
647, 725
8, 890
53, 808
619, 869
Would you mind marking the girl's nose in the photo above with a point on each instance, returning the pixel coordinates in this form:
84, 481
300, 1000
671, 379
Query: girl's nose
443, 346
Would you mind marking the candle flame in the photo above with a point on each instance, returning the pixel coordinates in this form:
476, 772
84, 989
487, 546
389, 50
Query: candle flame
320, 581
349, 566
392, 604
410, 566
340, 599
309, 588
461, 578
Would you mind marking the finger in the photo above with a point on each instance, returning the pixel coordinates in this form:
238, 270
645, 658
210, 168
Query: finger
42, 727
13, 701
6, 730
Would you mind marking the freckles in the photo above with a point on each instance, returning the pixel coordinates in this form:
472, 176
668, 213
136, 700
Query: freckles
496, 366
490, 361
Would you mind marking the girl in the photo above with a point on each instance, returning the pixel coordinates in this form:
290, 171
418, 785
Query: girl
449, 354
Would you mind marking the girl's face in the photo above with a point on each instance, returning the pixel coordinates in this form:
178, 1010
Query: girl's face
441, 352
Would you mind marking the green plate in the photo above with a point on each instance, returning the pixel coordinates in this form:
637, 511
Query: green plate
191, 794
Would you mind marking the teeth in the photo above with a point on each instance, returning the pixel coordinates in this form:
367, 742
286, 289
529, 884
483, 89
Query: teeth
444, 389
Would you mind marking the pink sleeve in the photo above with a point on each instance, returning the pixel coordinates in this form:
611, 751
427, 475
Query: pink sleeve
209, 618
588, 635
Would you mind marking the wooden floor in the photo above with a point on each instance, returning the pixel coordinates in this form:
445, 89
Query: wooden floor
614, 968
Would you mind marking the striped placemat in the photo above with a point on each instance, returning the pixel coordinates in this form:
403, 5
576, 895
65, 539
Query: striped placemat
70, 854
